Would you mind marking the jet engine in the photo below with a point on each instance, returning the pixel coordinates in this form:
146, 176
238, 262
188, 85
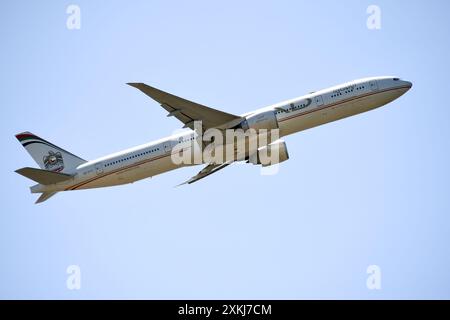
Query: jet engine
274, 153
263, 120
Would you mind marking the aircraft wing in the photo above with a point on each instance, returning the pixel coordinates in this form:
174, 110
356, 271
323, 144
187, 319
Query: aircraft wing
187, 111
206, 171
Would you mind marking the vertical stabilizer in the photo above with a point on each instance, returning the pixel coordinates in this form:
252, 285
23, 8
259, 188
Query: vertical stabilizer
47, 155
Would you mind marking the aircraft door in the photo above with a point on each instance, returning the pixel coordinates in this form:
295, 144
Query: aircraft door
99, 168
167, 146
318, 100
373, 85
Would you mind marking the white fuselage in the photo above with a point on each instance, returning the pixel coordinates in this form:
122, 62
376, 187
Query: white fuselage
293, 116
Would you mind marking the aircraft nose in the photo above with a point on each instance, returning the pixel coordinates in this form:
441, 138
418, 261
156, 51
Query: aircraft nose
408, 84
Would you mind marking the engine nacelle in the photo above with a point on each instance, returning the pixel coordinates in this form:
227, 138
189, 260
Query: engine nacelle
263, 120
274, 153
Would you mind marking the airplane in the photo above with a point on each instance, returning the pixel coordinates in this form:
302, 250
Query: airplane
61, 170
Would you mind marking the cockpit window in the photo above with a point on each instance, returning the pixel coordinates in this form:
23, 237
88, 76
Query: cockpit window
396, 79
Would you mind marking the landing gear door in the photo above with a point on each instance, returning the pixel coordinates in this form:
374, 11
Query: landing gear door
373, 85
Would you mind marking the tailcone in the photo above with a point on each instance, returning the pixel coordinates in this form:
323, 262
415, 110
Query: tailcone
38, 188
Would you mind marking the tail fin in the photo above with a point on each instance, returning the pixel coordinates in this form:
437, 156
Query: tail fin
47, 155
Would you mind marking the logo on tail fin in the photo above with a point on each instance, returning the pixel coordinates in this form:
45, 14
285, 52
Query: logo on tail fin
53, 161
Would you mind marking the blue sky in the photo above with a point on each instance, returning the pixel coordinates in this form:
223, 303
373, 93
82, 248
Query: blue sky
367, 190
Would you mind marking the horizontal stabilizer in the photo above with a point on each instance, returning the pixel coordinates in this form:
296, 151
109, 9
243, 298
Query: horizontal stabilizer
45, 196
43, 176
